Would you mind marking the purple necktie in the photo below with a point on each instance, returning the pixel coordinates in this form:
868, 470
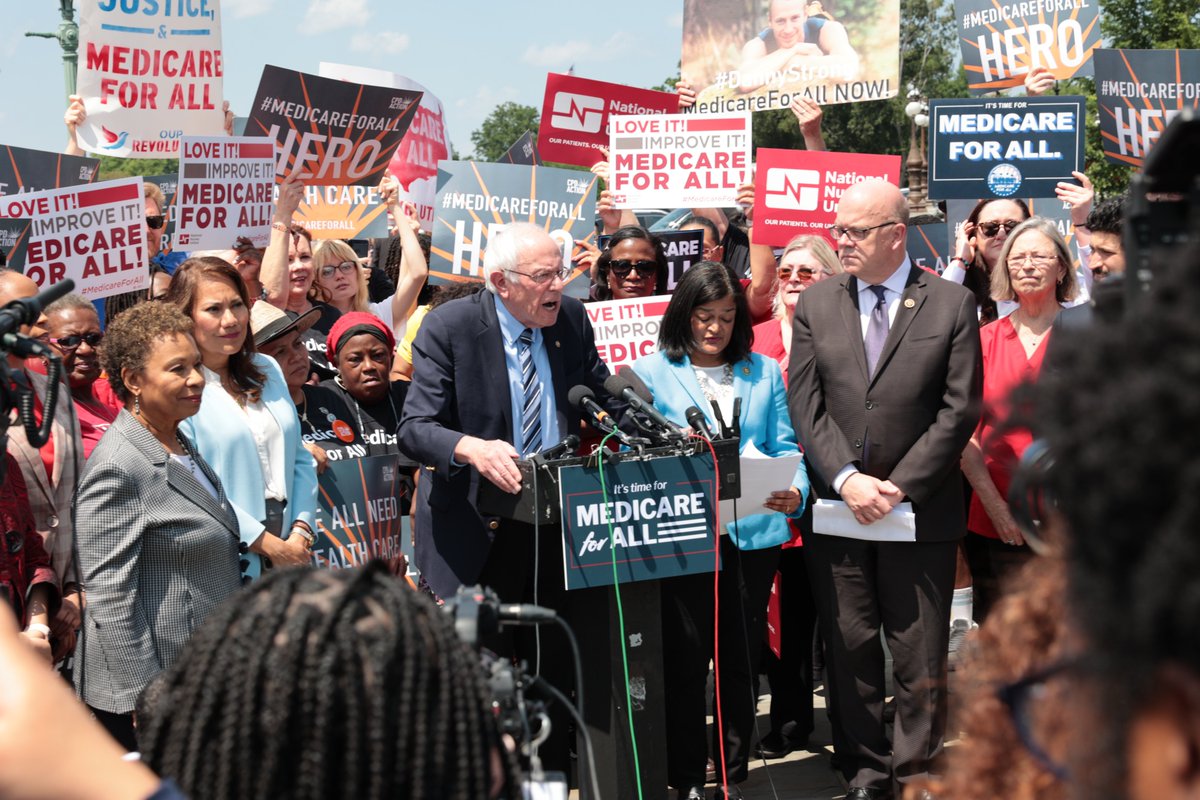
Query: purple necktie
877, 329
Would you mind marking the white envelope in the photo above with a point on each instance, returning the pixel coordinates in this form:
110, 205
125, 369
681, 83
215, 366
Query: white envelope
834, 518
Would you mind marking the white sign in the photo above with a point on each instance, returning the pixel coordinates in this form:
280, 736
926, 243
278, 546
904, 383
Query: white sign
226, 186
626, 330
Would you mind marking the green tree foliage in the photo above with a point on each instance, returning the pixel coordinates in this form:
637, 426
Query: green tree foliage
502, 127
112, 167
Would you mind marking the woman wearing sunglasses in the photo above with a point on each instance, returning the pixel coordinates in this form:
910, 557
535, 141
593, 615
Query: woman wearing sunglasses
977, 249
633, 265
75, 333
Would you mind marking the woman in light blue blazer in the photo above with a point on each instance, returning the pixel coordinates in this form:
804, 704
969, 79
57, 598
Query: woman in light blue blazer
704, 357
247, 428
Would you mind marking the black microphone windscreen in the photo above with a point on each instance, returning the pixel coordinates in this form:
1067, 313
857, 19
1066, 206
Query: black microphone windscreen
615, 384
578, 394
637, 384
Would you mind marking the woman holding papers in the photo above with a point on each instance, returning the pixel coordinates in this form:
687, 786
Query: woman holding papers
704, 360
1034, 270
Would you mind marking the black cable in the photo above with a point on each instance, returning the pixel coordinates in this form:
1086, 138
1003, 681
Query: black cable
576, 659
589, 752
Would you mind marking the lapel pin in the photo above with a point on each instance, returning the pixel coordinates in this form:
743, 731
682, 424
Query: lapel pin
746, 371
557, 343
909, 302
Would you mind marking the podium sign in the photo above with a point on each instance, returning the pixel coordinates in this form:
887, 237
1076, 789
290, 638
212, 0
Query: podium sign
656, 514
359, 515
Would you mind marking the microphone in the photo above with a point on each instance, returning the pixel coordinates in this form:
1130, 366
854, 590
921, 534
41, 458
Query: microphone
620, 386
699, 423
582, 399
524, 613
559, 450
27, 310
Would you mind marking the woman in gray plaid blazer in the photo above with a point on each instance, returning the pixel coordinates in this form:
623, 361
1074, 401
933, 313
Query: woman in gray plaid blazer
158, 541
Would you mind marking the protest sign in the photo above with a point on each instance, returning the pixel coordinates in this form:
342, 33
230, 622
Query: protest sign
929, 245
575, 114
1019, 147
678, 160
797, 191
1002, 41
342, 212
425, 143
758, 56
23, 170
14, 234
330, 132
1138, 93
682, 249
169, 185
149, 73
93, 234
1050, 208
472, 197
626, 330
656, 514
225, 192
358, 512
523, 151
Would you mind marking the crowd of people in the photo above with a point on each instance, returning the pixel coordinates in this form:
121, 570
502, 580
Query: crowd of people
159, 543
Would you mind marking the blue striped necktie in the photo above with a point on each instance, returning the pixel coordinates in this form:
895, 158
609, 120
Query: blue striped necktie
531, 413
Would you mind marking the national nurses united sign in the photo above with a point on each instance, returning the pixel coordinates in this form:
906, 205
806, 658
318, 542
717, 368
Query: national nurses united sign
1018, 147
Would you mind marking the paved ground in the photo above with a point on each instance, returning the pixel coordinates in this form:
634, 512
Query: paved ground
804, 774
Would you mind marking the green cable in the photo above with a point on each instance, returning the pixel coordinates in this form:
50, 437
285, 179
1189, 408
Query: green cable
637, 767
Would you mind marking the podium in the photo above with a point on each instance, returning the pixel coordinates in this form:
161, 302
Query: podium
656, 505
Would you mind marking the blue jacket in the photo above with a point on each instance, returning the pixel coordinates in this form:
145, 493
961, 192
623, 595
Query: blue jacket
764, 420
223, 437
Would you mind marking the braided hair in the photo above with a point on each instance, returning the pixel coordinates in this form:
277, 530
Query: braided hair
321, 684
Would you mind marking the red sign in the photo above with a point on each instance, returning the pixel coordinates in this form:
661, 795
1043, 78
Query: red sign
575, 115
797, 191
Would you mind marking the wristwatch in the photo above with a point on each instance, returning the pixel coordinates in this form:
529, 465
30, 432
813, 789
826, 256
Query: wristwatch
307, 534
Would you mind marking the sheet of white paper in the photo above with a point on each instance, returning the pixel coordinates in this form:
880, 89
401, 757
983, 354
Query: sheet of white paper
761, 475
834, 518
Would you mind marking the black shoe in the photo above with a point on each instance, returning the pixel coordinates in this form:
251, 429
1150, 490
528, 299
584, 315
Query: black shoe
859, 793
776, 745
728, 793
691, 793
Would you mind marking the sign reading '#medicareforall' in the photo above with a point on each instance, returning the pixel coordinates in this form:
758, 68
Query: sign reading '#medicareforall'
575, 112
1007, 147
797, 191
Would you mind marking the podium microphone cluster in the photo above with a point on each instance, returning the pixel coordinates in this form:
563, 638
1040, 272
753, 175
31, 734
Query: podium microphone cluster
629, 387
583, 399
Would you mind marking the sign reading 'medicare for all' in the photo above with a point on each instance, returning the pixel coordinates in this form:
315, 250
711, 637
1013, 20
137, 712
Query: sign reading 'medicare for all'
93, 234
575, 115
225, 191
1138, 93
626, 330
149, 73
797, 192
678, 160
1004, 40
1006, 147
330, 132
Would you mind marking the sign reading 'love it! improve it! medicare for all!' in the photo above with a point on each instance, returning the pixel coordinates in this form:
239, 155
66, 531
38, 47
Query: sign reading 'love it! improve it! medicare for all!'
225, 192
150, 71
93, 234
678, 160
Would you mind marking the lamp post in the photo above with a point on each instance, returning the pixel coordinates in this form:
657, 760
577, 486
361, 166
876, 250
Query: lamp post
68, 39
917, 110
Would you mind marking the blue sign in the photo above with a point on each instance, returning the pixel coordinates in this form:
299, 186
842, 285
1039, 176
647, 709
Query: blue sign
654, 517
1004, 147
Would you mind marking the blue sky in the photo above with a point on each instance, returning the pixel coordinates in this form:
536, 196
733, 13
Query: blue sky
473, 55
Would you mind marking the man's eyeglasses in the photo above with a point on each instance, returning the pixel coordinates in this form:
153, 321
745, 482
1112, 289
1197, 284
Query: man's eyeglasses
542, 277
156, 221
990, 229
803, 273
346, 268
856, 234
75, 339
623, 267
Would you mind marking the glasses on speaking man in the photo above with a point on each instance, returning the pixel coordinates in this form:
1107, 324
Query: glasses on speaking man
73, 341
622, 267
856, 234
990, 229
542, 277
346, 268
155, 221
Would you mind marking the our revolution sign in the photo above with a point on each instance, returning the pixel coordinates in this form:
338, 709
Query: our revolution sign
225, 192
330, 132
149, 73
1138, 93
575, 114
474, 197
1019, 147
797, 191
678, 160
626, 330
1004, 40
93, 234
358, 512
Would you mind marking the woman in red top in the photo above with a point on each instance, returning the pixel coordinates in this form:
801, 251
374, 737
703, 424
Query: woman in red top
1035, 271
75, 333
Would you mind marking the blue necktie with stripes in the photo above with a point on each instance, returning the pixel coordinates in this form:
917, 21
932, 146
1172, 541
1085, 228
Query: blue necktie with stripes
531, 413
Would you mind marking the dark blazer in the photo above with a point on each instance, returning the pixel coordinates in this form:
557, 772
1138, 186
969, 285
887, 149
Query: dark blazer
460, 387
910, 421
157, 553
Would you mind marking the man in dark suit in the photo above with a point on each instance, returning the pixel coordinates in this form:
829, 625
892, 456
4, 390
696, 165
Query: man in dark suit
491, 375
884, 390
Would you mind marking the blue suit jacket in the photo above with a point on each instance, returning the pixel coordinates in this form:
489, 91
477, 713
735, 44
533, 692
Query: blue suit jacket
764, 420
460, 388
223, 437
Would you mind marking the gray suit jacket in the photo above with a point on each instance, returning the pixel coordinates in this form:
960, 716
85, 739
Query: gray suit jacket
908, 422
157, 553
